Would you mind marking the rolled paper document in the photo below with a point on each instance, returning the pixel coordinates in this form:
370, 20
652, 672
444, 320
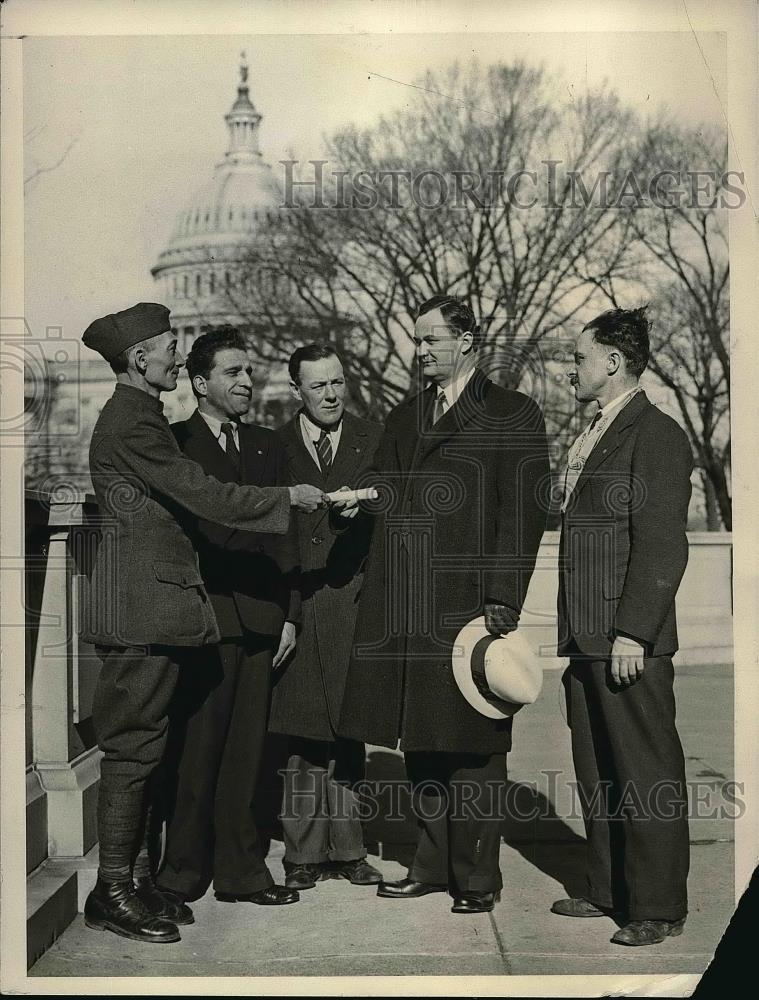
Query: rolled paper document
353, 496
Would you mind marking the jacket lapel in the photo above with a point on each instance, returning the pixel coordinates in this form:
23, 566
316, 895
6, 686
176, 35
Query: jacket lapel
304, 469
350, 453
204, 448
253, 453
412, 442
465, 410
612, 437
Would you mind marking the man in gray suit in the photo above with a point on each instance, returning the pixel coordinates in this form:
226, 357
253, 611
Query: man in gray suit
148, 607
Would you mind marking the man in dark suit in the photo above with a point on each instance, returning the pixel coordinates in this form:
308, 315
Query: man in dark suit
462, 467
218, 718
623, 553
331, 448
147, 607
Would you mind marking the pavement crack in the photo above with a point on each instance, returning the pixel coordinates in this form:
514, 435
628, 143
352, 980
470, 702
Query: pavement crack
501, 945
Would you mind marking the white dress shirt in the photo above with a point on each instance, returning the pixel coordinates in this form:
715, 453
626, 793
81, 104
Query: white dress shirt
450, 394
215, 426
311, 433
586, 442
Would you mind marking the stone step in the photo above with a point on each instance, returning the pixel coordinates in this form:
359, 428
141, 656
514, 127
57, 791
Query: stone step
85, 868
51, 905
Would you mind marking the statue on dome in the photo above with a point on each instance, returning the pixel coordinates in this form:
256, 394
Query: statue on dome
243, 69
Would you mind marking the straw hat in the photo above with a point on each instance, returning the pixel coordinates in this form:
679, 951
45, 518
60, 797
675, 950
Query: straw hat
497, 675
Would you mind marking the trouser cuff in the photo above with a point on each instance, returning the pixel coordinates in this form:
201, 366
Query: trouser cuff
482, 883
419, 874
306, 857
243, 887
190, 889
350, 855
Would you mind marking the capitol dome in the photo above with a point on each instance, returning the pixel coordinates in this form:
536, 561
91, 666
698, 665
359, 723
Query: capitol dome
213, 233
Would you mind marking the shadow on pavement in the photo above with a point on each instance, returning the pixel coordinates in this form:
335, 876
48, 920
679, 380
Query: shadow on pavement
531, 825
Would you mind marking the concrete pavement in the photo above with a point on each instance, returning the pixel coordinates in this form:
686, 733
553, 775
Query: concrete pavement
338, 929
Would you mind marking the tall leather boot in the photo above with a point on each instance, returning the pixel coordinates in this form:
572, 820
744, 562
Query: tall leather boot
113, 904
161, 902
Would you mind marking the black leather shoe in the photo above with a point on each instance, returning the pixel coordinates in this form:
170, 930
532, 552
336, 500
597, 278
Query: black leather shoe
302, 876
579, 907
358, 872
164, 902
643, 932
115, 906
475, 902
273, 895
407, 888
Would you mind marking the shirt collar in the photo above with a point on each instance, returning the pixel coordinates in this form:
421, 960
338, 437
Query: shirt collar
313, 430
215, 424
454, 389
618, 402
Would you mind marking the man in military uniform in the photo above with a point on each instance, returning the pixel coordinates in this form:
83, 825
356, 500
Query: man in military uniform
148, 607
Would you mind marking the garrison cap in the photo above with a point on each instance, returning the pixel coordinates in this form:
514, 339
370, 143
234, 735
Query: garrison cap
114, 333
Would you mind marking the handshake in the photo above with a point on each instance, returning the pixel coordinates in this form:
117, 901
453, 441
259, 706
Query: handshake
308, 498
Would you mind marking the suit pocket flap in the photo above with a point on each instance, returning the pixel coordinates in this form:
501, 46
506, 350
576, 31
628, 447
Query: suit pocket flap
183, 576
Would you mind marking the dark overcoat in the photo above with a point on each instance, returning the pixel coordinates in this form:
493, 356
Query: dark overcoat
308, 689
146, 586
464, 512
623, 547
250, 576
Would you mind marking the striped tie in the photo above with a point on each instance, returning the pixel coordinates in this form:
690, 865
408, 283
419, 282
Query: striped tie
324, 451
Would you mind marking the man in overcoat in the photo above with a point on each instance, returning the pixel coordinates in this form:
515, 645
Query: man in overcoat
331, 448
219, 713
148, 608
623, 553
463, 467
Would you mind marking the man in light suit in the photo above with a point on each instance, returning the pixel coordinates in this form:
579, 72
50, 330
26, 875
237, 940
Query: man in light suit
623, 553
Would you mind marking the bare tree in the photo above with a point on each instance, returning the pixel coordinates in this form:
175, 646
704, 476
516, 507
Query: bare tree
685, 236
470, 190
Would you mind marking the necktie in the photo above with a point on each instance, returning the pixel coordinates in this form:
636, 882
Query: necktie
578, 454
440, 407
231, 448
324, 451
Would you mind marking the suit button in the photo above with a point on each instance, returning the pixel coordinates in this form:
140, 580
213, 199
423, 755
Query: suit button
260, 548
317, 540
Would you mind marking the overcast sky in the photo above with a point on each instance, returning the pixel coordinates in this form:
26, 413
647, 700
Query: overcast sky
145, 116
